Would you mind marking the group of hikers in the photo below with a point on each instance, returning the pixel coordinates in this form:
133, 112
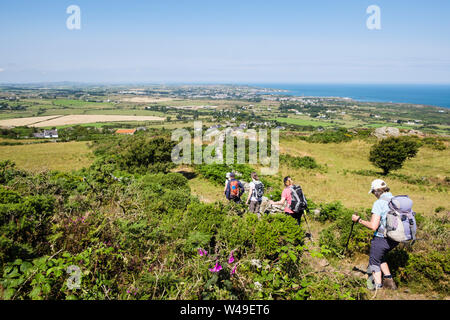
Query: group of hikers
292, 196
392, 219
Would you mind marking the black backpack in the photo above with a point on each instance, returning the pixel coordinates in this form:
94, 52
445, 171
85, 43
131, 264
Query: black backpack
298, 202
258, 192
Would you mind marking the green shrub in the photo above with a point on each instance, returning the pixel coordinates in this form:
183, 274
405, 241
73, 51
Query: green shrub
46, 277
331, 136
336, 235
331, 211
238, 232
426, 271
24, 225
439, 209
8, 171
299, 162
434, 143
138, 154
336, 287
275, 231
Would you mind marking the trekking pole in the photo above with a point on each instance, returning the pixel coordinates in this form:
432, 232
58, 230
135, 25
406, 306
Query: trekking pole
349, 236
307, 224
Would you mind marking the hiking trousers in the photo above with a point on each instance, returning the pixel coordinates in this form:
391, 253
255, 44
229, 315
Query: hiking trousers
379, 247
254, 206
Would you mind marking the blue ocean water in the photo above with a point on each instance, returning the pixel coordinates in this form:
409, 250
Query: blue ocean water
433, 95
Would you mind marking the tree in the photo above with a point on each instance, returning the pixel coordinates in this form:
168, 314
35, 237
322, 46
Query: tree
389, 154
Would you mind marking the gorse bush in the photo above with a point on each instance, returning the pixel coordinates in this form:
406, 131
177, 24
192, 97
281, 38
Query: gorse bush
24, 224
433, 143
137, 154
421, 271
299, 162
335, 236
216, 173
274, 232
331, 136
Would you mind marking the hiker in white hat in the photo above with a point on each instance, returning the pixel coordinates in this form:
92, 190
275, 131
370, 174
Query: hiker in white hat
380, 245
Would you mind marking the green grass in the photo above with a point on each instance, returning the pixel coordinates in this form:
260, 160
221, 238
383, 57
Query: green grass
305, 122
351, 189
53, 156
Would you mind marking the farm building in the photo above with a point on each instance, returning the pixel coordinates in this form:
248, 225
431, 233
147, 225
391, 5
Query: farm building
126, 131
46, 134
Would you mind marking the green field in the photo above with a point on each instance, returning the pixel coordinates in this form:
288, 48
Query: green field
52, 156
306, 122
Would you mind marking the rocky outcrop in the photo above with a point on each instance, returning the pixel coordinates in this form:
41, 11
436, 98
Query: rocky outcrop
413, 132
385, 132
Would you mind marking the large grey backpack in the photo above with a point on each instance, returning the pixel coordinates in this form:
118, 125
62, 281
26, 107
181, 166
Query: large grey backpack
400, 220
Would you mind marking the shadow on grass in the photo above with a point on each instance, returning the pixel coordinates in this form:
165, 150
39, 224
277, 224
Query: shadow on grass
188, 175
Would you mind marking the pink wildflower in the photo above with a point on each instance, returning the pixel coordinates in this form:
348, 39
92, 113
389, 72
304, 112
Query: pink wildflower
233, 271
202, 252
216, 268
231, 258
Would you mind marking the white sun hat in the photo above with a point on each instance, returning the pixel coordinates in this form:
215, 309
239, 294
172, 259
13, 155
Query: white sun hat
377, 184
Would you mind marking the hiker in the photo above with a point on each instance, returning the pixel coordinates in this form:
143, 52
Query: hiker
380, 245
255, 194
286, 199
227, 176
234, 189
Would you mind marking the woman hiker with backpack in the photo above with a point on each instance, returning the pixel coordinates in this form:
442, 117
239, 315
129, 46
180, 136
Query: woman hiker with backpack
380, 244
286, 199
255, 194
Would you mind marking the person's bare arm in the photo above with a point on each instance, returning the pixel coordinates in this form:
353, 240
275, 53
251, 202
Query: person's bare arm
282, 201
373, 224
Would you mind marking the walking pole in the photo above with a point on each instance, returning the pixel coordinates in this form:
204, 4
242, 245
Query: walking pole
349, 236
307, 224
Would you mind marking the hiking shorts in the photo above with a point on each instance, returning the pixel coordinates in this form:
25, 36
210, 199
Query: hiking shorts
254, 206
379, 247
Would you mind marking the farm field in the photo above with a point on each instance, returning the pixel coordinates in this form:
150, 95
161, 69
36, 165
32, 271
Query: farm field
305, 122
55, 121
52, 156
17, 122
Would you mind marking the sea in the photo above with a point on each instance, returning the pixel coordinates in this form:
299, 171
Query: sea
424, 94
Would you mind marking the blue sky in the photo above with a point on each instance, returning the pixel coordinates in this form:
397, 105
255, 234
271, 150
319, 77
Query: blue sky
322, 41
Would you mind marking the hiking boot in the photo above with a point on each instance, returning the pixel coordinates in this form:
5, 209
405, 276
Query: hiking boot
372, 285
389, 283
